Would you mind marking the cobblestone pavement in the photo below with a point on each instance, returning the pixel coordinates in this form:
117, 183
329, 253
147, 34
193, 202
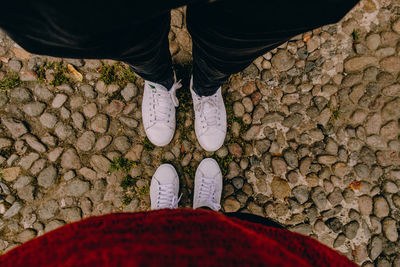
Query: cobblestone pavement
313, 138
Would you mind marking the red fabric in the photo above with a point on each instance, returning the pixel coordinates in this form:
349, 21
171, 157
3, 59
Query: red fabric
181, 237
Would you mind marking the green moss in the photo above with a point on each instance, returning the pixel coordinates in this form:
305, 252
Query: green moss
223, 163
59, 75
147, 145
128, 181
336, 114
355, 35
189, 170
121, 164
127, 199
9, 83
117, 74
143, 191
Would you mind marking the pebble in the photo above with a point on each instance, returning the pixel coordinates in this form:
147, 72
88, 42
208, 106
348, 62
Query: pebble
280, 188
48, 120
129, 92
350, 229
375, 247
319, 198
21, 95
381, 207
47, 177
282, 61
390, 229
100, 163
13, 210
99, 123
291, 158
34, 143
59, 100
70, 160
301, 193
16, 127
77, 187
86, 141
365, 205
34, 109
231, 204
279, 166
90, 110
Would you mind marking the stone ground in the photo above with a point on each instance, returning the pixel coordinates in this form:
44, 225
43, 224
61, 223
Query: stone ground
313, 138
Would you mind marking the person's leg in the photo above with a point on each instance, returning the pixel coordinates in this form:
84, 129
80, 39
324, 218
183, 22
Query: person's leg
111, 33
150, 57
229, 35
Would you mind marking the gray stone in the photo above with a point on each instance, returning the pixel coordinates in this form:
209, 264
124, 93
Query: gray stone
362, 171
27, 193
90, 110
292, 120
375, 247
27, 161
336, 196
282, 61
340, 239
319, 198
13, 210
279, 166
59, 100
53, 225
78, 120
359, 63
77, 188
131, 123
390, 229
303, 228
43, 93
301, 193
129, 92
47, 177
71, 214
350, 229
63, 131
48, 120
15, 65
103, 142
88, 91
34, 143
238, 182
16, 127
70, 160
86, 141
99, 123
55, 154
34, 109
365, 205
373, 41
291, 157
22, 181
381, 207
100, 163
122, 143
21, 95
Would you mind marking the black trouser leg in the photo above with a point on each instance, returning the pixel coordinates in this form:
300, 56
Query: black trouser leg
229, 34
150, 57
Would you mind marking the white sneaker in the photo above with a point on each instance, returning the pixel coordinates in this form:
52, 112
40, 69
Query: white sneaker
210, 119
208, 185
164, 188
158, 112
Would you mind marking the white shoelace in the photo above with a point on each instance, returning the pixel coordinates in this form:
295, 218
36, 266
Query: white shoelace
162, 109
166, 198
207, 193
208, 108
